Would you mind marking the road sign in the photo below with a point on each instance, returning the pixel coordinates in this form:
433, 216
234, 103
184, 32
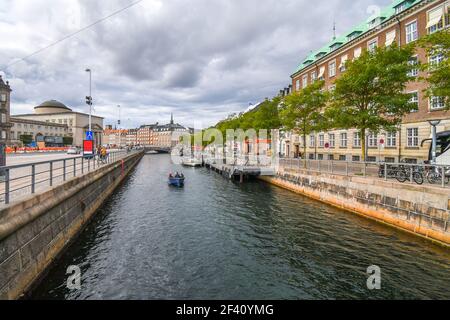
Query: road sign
381, 141
88, 148
89, 135
327, 145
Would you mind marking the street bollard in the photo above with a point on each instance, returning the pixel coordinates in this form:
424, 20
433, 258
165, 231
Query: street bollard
346, 168
75, 167
64, 170
33, 178
6, 186
82, 165
51, 174
385, 172
443, 176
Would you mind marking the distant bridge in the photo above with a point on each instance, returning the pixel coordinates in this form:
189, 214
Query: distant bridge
157, 149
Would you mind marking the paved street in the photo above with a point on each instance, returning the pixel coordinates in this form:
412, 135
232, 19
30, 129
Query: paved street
21, 178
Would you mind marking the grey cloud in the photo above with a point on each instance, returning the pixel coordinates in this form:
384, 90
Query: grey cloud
197, 58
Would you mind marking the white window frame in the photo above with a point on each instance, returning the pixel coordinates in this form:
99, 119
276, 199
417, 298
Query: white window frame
414, 100
412, 137
312, 140
332, 140
391, 139
357, 53
321, 140
373, 140
438, 57
357, 139
440, 24
413, 61
344, 139
3, 97
313, 76
441, 103
411, 35
297, 84
304, 81
370, 43
332, 69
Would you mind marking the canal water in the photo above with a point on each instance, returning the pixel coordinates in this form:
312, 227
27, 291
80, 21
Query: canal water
215, 239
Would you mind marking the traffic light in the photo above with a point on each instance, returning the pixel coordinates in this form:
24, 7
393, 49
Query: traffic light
89, 101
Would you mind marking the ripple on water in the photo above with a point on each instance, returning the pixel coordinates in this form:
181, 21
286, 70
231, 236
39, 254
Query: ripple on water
220, 240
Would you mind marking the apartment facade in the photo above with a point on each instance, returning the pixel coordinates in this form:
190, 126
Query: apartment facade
5, 109
40, 131
402, 22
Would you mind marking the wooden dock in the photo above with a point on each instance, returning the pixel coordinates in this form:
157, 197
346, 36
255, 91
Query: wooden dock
239, 172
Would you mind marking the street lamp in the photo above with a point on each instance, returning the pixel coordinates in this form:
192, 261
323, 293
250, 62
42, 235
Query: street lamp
89, 99
119, 122
433, 124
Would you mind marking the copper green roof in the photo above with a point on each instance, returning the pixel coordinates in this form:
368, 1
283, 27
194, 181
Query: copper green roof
384, 15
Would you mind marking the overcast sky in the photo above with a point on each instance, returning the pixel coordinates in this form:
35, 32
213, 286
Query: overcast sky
200, 59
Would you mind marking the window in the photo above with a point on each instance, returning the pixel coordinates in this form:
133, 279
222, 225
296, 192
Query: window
357, 140
3, 119
412, 137
3, 97
321, 140
332, 69
390, 38
414, 100
411, 32
305, 81
389, 159
342, 158
311, 156
436, 59
332, 140
3, 134
356, 158
344, 140
391, 139
357, 53
413, 61
332, 88
313, 76
320, 156
331, 157
372, 45
312, 141
373, 137
437, 103
297, 85
435, 19
322, 73
343, 61
400, 8
371, 159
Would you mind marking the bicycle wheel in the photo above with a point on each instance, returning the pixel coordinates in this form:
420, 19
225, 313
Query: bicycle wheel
418, 177
401, 176
433, 177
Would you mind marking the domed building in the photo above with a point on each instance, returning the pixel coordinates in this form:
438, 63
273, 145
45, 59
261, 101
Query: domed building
51, 106
54, 116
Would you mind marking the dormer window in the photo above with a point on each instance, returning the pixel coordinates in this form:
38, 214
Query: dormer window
401, 7
353, 35
320, 55
375, 22
335, 46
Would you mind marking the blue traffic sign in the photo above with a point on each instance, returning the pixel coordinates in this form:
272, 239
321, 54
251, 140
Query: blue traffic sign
89, 135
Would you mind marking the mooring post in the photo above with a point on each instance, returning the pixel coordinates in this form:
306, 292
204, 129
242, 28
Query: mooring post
241, 177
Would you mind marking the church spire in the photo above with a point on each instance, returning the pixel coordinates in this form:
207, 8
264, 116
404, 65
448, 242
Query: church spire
171, 118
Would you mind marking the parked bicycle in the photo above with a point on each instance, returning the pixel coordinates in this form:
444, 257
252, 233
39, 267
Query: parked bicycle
434, 174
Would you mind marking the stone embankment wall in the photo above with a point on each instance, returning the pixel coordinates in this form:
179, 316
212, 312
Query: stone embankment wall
34, 231
421, 210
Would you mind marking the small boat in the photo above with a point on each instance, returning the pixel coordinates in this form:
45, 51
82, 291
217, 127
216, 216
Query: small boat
191, 162
176, 181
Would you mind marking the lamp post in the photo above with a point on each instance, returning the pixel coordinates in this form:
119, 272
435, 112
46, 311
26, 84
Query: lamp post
433, 124
89, 99
119, 122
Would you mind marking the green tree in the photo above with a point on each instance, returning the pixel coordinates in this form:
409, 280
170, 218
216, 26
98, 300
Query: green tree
67, 141
438, 45
370, 95
302, 110
26, 139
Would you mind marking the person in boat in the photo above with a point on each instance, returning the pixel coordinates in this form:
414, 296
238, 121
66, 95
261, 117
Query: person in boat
170, 175
182, 176
177, 175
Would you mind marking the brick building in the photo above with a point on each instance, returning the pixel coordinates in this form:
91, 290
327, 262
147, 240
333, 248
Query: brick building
402, 22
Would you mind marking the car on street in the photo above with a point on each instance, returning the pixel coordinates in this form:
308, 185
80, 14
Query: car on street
73, 150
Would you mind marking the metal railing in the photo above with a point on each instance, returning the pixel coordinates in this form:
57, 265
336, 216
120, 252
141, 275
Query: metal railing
24, 179
438, 175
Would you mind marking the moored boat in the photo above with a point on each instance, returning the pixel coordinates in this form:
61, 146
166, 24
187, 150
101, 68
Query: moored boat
191, 162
